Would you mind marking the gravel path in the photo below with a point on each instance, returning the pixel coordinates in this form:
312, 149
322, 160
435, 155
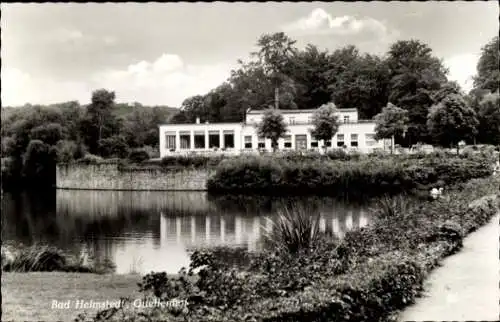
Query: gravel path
466, 287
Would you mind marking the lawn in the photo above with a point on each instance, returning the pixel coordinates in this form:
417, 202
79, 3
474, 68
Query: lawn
29, 296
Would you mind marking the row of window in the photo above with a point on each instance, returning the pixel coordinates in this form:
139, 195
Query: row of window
214, 140
292, 120
301, 141
228, 141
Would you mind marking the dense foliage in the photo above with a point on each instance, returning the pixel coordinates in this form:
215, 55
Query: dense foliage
488, 114
391, 122
325, 122
367, 176
272, 126
452, 121
488, 74
484, 96
410, 76
367, 276
34, 138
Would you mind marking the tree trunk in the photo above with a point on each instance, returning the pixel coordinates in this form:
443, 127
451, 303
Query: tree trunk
100, 128
276, 98
458, 149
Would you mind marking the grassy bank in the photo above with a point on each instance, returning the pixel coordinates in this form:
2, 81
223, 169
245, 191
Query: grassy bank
29, 296
366, 177
367, 276
43, 258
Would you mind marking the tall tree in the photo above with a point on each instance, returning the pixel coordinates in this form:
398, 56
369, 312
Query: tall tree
48, 133
308, 68
136, 126
489, 119
72, 113
39, 163
100, 108
272, 127
488, 73
452, 121
415, 74
448, 88
390, 123
326, 122
358, 81
276, 51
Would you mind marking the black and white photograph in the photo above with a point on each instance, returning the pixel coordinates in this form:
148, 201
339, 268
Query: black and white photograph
250, 161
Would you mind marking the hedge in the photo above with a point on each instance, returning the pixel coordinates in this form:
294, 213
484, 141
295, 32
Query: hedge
364, 177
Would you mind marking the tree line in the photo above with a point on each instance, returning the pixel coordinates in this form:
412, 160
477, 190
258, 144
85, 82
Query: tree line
409, 76
35, 137
406, 91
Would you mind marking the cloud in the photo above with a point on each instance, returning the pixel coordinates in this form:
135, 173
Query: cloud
167, 80
63, 35
76, 38
462, 68
19, 88
321, 22
109, 40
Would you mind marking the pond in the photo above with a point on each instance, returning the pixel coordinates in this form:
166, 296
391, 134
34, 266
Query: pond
154, 231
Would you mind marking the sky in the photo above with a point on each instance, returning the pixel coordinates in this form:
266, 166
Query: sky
163, 53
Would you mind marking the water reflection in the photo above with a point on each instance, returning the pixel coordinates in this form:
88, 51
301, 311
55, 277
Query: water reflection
145, 231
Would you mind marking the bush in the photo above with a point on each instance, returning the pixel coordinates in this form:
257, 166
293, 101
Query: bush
66, 151
44, 258
294, 230
138, 155
338, 154
153, 152
389, 207
379, 153
90, 159
36, 259
115, 146
195, 161
364, 177
39, 162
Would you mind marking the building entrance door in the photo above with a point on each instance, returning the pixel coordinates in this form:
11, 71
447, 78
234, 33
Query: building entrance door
301, 142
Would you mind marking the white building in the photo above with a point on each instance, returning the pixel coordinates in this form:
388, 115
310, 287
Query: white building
242, 137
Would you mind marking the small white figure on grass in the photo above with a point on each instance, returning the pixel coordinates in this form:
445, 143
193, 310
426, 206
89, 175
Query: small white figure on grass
436, 193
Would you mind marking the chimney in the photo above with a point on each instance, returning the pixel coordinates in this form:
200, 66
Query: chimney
197, 120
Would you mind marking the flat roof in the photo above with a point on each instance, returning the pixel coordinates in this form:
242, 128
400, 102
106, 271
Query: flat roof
200, 124
299, 111
246, 124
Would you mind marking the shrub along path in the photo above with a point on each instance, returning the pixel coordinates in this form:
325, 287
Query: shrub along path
465, 287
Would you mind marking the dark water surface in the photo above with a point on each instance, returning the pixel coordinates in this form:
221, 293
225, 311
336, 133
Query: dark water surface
153, 231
